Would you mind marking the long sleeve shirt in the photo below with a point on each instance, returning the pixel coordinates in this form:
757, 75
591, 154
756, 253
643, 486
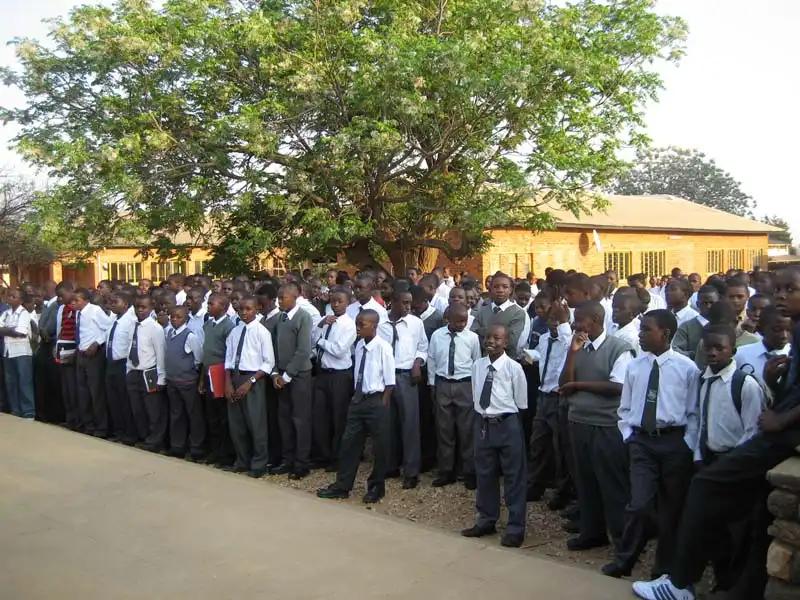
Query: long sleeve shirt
150, 348
467, 351
629, 333
334, 343
92, 323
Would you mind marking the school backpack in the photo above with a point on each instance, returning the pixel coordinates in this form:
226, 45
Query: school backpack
737, 383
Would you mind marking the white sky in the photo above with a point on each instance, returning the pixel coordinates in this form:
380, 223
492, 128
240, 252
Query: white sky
733, 97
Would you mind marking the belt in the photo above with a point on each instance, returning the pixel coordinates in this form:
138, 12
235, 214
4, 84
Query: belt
494, 419
553, 393
448, 380
402, 370
661, 430
329, 371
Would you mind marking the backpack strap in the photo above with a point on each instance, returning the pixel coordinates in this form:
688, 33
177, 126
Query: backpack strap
737, 383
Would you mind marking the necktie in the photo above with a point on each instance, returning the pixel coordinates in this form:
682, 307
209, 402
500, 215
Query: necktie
284, 317
589, 347
320, 351
110, 345
550, 343
239, 348
704, 428
133, 355
78, 330
486, 392
649, 414
360, 378
496, 309
451, 356
394, 335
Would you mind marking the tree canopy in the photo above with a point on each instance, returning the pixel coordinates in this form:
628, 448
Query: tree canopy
783, 237
394, 128
688, 174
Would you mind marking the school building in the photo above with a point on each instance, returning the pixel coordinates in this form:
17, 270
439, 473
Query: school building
635, 234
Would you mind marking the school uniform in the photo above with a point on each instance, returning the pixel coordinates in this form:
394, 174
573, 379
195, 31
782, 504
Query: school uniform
148, 405
752, 358
684, 315
307, 306
659, 422
608, 318
18, 363
249, 349
688, 336
356, 307
432, 320
743, 338
408, 341
499, 392
367, 415
117, 347
183, 355
600, 455
195, 323
508, 314
549, 449
270, 321
333, 385
92, 325
450, 358
629, 333
65, 336
46, 376
215, 335
295, 409
657, 302
180, 298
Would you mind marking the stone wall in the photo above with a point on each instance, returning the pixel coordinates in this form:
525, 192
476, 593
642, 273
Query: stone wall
783, 557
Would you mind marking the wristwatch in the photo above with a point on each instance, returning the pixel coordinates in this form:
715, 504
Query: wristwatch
253, 380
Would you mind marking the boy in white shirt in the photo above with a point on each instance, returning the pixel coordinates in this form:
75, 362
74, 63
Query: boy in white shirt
678, 292
118, 344
777, 330
15, 327
626, 309
92, 324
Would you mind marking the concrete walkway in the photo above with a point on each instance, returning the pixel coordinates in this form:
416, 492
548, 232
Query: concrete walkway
84, 519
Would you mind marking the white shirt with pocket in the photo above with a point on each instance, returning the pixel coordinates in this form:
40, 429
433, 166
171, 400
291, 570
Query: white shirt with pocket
20, 321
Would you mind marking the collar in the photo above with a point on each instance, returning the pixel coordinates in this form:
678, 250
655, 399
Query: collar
253, 323
51, 301
663, 358
598, 342
427, 312
683, 310
634, 324
504, 306
499, 361
273, 312
702, 320
725, 374
372, 344
220, 320
179, 330
200, 314
778, 352
129, 312
290, 315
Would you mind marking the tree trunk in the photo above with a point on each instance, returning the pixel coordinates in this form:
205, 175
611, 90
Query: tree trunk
421, 257
359, 255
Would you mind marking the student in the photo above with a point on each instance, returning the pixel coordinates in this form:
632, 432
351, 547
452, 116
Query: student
46, 377
626, 309
723, 313
195, 302
183, 356
598, 291
304, 302
144, 287
91, 327
755, 304
458, 295
405, 333
549, 437
659, 422
432, 318
738, 293
499, 393
146, 378
333, 341
65, 353
592, 380
363, 287
690, 333
166, 302
678, 292
451, 354
367, 414
292, 378
215, 335
522, 296
267, 295
539, 326
117, 347
176, 285
431, 284
777, 330
249, 359
15, 327
501, 311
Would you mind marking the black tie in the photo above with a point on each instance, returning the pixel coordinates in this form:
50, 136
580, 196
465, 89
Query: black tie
320, 351
360, 378
110, 346
133, 355
486, 392
284, 317
650, 412
394, 335
550, 343
704, 428
239, 348
496, 309
451, 357
78, 330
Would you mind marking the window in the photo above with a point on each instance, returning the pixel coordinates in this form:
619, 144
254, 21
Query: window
753, 259
508, 264
654, 264
714, 261
736, 259
200, 267
159, 271
619, 262
275, 266
128, 272
524, 265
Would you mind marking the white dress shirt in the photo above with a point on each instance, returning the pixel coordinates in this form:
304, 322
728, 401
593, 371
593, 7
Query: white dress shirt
193, 344
272, 313
120, 346
726, 427
676, 405
558, 356
356, 307
629, 333
195, 322
306, 305
378, 366
440, 303
91, 323
427, 312
525, 336
509, 387
150, 348
468, 350
620, 365
656, 302
608, 319
444, 289
687, 313
693, 302
20, 321
752, 358
412, 342
258, 353
180, 298
337, 349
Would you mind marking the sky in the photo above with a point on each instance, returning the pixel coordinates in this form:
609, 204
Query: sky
734, 96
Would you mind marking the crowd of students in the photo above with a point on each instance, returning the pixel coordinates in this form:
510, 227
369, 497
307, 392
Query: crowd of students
650, 413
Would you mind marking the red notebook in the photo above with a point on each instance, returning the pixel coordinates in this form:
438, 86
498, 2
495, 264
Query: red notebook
216, 380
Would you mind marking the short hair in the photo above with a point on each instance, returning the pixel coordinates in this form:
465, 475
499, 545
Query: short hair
593, 309
176, 277
123, 295
722, 312
736, 281
370, 314
268, 290
184, 309
305, 289
708, 289
684, 284
720, 329
429, 279
339, 289
364, 278
665, 320
457, 309
500, 326
24, 297
759, 297
399, 286
644, 297
769, 315
418, 293
502, 275
291, 285
399, 291
221, 296
578, 281
248, 298
83, 293
523, 286
66, 286
147, 299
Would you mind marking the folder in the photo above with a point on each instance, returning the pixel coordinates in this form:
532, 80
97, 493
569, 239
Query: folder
150, 379
216, 380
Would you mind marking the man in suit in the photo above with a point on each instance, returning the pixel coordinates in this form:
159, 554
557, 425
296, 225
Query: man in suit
501, 310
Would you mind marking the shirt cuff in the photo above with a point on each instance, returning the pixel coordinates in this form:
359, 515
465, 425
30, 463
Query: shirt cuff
286, 377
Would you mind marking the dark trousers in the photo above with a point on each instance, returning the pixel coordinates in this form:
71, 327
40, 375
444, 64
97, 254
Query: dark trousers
404, 426
455, 422
528, 415
500, 446
47, 385
247, 418
19, 386
149, 409
187, 424
428, 437
370, 417
602, 479
660, 472
92, 392
119, 405
69, 393
273, 423
332, 393
722, 493
218, 430
546, 459
295, 412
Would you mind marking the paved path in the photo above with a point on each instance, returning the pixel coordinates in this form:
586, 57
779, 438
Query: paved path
83, 519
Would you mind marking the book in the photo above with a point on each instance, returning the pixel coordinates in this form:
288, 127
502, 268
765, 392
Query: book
65, 351
150, 379
216, 380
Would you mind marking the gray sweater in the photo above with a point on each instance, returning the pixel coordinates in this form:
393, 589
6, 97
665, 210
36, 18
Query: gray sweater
293, 345
512, 317
214, 340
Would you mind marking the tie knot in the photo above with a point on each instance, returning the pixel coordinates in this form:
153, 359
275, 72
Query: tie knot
492, 369
284, 316
453, 334
496, 309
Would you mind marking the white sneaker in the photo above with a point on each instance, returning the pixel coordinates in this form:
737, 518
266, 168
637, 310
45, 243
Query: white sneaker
660, 589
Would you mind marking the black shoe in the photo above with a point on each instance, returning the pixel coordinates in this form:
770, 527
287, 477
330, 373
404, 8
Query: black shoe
572, 513
534, 494
257, 473
212, 459
477, 531
234, 469
282, 469
114, 438
333, 493
572, 527
444, 479
332, 468
374, 494
511, 541
151, 448
129, 442
576, 544
299, 474
409, 483
558, 503
471, 482
393, 474
174, 453
616, 570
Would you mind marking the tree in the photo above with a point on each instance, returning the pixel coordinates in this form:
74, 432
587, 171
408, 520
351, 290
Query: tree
781, 237
394, 128
688, 174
